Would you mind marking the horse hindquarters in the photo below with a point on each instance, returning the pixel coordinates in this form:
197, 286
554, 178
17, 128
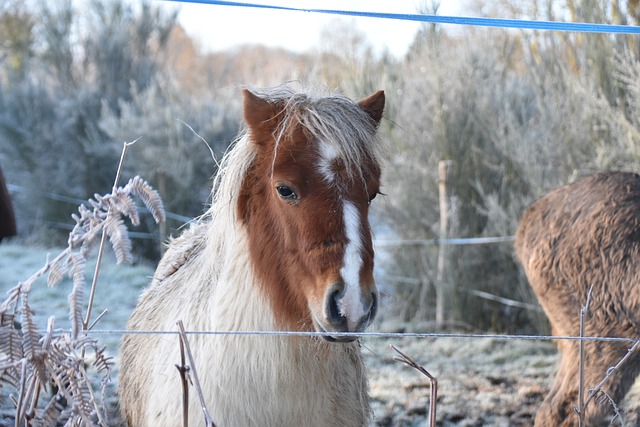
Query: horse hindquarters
582, 235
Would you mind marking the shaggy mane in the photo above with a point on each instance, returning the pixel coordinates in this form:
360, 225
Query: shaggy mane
329, 117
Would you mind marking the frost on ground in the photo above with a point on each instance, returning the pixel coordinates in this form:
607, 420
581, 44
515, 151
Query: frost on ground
481, 381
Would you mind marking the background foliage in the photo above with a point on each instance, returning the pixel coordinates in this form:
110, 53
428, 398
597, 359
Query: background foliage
518, 113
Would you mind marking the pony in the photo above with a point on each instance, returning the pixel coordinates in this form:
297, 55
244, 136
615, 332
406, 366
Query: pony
577, 236
285, 246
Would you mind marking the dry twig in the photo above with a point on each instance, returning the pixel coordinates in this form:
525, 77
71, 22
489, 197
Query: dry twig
94, 282
184, 380
596, 393
433, 381
192, 368
581, 405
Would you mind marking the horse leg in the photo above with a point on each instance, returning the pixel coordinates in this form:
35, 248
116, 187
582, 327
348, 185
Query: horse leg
601, 358
559, 407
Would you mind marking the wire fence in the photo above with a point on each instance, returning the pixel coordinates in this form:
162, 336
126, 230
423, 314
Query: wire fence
13, 188
379, 243
123, 332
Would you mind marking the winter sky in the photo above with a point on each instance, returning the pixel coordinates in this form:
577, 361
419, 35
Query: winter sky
221, 27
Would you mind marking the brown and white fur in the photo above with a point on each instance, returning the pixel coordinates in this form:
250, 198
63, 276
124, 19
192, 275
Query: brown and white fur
577, 236
285, 246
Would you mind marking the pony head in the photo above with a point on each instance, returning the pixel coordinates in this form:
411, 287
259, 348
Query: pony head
304, 201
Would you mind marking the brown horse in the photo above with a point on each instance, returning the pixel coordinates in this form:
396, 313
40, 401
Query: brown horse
7, 217
285, 246
579, 235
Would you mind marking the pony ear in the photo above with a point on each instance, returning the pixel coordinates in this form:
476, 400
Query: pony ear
373, 105
258, 112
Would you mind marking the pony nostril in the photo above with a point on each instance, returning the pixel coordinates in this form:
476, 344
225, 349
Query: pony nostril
357, 319
333, 308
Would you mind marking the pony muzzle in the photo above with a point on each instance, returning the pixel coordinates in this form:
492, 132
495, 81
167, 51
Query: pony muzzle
346, 312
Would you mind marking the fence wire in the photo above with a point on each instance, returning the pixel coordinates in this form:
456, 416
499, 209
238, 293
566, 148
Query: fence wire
366, 335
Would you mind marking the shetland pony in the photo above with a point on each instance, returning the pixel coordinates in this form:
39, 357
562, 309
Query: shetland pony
285, 246
579, 235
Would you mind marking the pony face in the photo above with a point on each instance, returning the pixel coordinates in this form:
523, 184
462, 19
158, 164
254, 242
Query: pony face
305, 201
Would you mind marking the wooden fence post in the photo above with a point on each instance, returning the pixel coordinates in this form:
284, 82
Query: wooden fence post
443, 288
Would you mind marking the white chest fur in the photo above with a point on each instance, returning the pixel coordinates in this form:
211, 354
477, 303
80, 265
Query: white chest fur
256, 380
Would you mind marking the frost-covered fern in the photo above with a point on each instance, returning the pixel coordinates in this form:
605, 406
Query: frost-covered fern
47, 375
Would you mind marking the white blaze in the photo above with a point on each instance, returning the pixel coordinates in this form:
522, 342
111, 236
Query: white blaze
351, 302
328, 155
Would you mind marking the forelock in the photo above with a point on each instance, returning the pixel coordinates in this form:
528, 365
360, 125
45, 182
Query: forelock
328, 118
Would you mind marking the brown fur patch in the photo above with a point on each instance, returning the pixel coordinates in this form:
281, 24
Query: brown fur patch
297, 246
583, 234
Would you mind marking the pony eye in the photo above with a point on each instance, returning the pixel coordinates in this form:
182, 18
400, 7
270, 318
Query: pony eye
286, 193
373, 196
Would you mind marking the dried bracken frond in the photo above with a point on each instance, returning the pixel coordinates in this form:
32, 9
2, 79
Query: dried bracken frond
76, 297
123, 203
11, 352
9, 304
149, 197
57, 271
30, 333
107, 212
102, 365
51, 413
88, 246
10, 339
9, 376
102, 362
31, 342
119, 238
70, 376
31, 361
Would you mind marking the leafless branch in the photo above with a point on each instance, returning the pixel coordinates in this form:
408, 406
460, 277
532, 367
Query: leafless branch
407, 360
184, 372
192, 368
596, 393
581, 405
103, 239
